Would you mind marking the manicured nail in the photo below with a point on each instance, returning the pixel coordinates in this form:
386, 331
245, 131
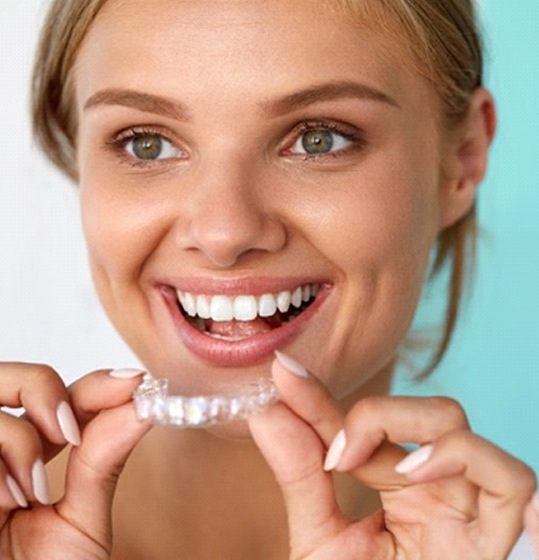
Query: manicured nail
335, 451
414, 460
535, 502
16, 492
68, 423
126, 373
40, 483
291, 365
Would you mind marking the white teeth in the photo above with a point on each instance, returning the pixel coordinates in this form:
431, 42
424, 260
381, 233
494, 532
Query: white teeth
221, 308
203, 307
267, 306
189, 304
297, 296
283, 301
244, 307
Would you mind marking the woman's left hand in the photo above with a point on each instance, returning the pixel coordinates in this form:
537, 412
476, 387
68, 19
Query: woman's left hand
457, 496
531, 520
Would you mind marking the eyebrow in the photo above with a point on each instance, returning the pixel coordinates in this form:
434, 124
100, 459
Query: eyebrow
146, 102
167, 107
326, 92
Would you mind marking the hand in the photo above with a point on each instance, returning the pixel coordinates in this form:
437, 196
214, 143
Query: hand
531, 520
79, 525
457, 497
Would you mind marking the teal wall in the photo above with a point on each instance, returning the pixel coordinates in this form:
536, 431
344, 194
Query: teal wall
493, 365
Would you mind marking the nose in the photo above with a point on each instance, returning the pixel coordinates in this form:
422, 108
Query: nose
226, 216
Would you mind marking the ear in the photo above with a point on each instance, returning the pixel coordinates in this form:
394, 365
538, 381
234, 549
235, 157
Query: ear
465, 163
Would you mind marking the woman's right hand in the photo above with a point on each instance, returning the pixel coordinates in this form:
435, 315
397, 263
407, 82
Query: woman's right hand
99, 407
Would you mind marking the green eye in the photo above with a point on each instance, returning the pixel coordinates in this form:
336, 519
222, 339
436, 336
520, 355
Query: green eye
151, 147
317, 141
147, 147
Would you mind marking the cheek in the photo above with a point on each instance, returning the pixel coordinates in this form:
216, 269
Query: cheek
387, 222
121, 232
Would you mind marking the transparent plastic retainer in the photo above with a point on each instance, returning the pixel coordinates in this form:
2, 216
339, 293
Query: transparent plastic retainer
152, 402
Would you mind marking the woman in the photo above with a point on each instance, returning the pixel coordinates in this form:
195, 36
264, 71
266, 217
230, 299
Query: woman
232, 157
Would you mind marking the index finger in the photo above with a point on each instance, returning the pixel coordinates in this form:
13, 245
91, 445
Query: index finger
39, 389
312, 402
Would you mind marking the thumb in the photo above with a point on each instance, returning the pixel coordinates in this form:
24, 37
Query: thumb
94, 467
295, 454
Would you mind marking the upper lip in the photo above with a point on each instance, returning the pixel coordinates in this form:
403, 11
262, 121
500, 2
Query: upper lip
242, 286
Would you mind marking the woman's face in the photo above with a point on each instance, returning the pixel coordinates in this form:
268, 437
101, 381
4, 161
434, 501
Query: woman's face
244, 154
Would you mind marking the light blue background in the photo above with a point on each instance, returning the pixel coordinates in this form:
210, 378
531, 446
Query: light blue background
492, 367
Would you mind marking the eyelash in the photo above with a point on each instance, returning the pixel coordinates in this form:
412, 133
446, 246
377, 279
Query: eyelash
119, 146
119, 143
348, 132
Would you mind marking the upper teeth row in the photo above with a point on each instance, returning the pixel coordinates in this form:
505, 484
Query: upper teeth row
244, 307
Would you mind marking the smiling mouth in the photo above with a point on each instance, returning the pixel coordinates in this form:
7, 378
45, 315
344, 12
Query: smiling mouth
235, 318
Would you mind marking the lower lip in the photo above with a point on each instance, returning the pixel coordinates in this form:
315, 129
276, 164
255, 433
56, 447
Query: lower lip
239, 353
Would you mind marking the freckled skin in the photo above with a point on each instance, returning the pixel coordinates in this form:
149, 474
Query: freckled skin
238, 205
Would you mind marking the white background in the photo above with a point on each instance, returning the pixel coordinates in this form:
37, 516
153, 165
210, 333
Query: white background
48, 310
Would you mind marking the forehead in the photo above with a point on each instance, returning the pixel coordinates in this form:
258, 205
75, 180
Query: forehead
236, 47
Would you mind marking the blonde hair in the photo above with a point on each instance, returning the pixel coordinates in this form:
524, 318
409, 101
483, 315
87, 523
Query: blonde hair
441, 36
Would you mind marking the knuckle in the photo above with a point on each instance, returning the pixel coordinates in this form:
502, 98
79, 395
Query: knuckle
43, 378
19, 434
451, 410
43, 374
368, 408
461, 442
526, 479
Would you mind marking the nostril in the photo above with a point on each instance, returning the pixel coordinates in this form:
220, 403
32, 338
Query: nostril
225, 231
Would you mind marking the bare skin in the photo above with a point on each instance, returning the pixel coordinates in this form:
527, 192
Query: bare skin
233, 203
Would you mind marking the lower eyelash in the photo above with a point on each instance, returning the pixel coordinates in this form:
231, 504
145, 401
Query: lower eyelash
118, 145
353, 136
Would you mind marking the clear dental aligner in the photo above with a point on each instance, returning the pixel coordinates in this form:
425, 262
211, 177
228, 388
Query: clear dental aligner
152, 402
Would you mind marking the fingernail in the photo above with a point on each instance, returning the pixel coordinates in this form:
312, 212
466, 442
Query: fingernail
68, 423
126, 373
335, 451
16, 492
40, 483
414, 460
291, 365
535, 502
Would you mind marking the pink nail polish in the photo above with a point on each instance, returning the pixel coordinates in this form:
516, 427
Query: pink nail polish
335, 451
415, 460
126, 373
40, 483
291, 365
68, 423
16, 492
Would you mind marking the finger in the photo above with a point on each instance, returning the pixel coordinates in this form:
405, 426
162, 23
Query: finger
531, 522
295, 454
505, 484
307, 397
400, 420
108, 439
11, 494
42, 393
311, 401
21, 452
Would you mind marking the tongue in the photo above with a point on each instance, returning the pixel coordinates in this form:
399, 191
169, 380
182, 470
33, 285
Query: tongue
238, 329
